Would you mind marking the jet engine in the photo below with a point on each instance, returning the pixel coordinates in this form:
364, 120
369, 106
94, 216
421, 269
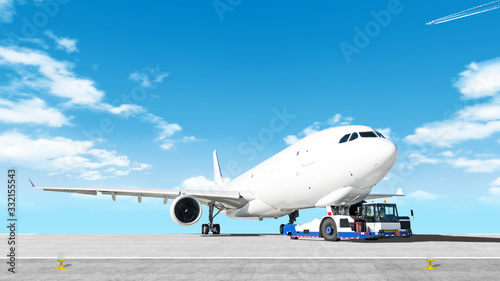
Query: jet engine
186, 210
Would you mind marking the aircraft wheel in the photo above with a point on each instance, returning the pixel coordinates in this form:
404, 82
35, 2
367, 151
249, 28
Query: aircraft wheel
281, 228
216, 229
328, 229
204, 229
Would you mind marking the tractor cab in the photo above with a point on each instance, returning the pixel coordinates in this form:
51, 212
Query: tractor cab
384, 218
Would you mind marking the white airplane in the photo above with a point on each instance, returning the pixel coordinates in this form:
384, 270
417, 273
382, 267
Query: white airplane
334, 168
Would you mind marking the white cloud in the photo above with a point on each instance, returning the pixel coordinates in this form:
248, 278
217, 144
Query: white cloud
60, 155
125, 110
41, 74
495, 191
200, 183
424, 195
339, 120
476, 165
447, 153
315, 127
420, 158
140, 167
416, 158
169, 143
291, 139
149, 78
480, 112
167, 130
493, 199
335, 120
448, 132
34, 41
480, 79
57, 79
386, 132
53, 76
489, 201
64, 43
475, 122
7, 11
496, 182
33, 111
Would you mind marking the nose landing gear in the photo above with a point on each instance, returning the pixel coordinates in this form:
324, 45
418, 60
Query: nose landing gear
292, 217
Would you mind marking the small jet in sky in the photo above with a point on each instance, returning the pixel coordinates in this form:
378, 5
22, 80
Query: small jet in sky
335, 169
468, 12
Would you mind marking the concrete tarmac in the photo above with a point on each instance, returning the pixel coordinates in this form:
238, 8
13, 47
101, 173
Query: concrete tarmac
243, 257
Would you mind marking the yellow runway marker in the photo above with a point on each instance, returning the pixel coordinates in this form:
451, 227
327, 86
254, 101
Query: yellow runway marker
430, 259
60, 259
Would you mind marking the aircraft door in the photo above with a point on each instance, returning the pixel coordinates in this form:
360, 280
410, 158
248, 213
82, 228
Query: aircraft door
308, 151
308, 157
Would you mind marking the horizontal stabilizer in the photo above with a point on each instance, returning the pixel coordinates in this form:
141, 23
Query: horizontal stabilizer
399, 192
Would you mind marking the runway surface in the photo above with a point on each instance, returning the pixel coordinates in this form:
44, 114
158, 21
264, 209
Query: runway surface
243, 257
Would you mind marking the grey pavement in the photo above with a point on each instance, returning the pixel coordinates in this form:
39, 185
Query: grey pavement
238, 257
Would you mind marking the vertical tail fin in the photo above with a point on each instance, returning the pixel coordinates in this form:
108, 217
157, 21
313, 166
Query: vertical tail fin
217, 173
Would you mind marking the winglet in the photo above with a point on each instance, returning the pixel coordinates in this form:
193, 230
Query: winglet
400, 192
32, 184
217, 173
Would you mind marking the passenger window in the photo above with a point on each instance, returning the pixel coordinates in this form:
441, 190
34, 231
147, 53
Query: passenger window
379, 134
344, 138
353, 136
369, 134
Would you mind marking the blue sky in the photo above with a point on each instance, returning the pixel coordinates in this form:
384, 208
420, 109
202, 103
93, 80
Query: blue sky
139, 95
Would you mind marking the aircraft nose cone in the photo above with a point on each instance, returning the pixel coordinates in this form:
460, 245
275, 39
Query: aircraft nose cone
387, 153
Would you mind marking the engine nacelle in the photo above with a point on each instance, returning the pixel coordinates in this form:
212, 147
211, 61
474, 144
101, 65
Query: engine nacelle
186, 210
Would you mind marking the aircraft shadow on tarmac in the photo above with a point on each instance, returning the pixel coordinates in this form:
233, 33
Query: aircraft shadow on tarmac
433, 238
414, 239
234, 235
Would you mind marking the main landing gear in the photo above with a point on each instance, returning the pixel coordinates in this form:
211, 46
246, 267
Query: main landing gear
292, 217
211, 227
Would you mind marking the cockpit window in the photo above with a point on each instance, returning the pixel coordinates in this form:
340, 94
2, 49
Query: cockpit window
353, 136
368, 134
344, 138
379, 134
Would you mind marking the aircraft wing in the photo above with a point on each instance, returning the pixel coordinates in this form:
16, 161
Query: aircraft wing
224, 199
383, 195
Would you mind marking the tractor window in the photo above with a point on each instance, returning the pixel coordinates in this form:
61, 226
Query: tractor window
369, 213
380, 213
387, 213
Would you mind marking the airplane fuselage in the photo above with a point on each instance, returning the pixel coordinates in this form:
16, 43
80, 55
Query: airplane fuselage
318, 170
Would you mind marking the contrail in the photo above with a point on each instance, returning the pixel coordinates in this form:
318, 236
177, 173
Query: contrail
469, 12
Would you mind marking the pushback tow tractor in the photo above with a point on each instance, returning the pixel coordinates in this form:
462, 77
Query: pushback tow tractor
369, 221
